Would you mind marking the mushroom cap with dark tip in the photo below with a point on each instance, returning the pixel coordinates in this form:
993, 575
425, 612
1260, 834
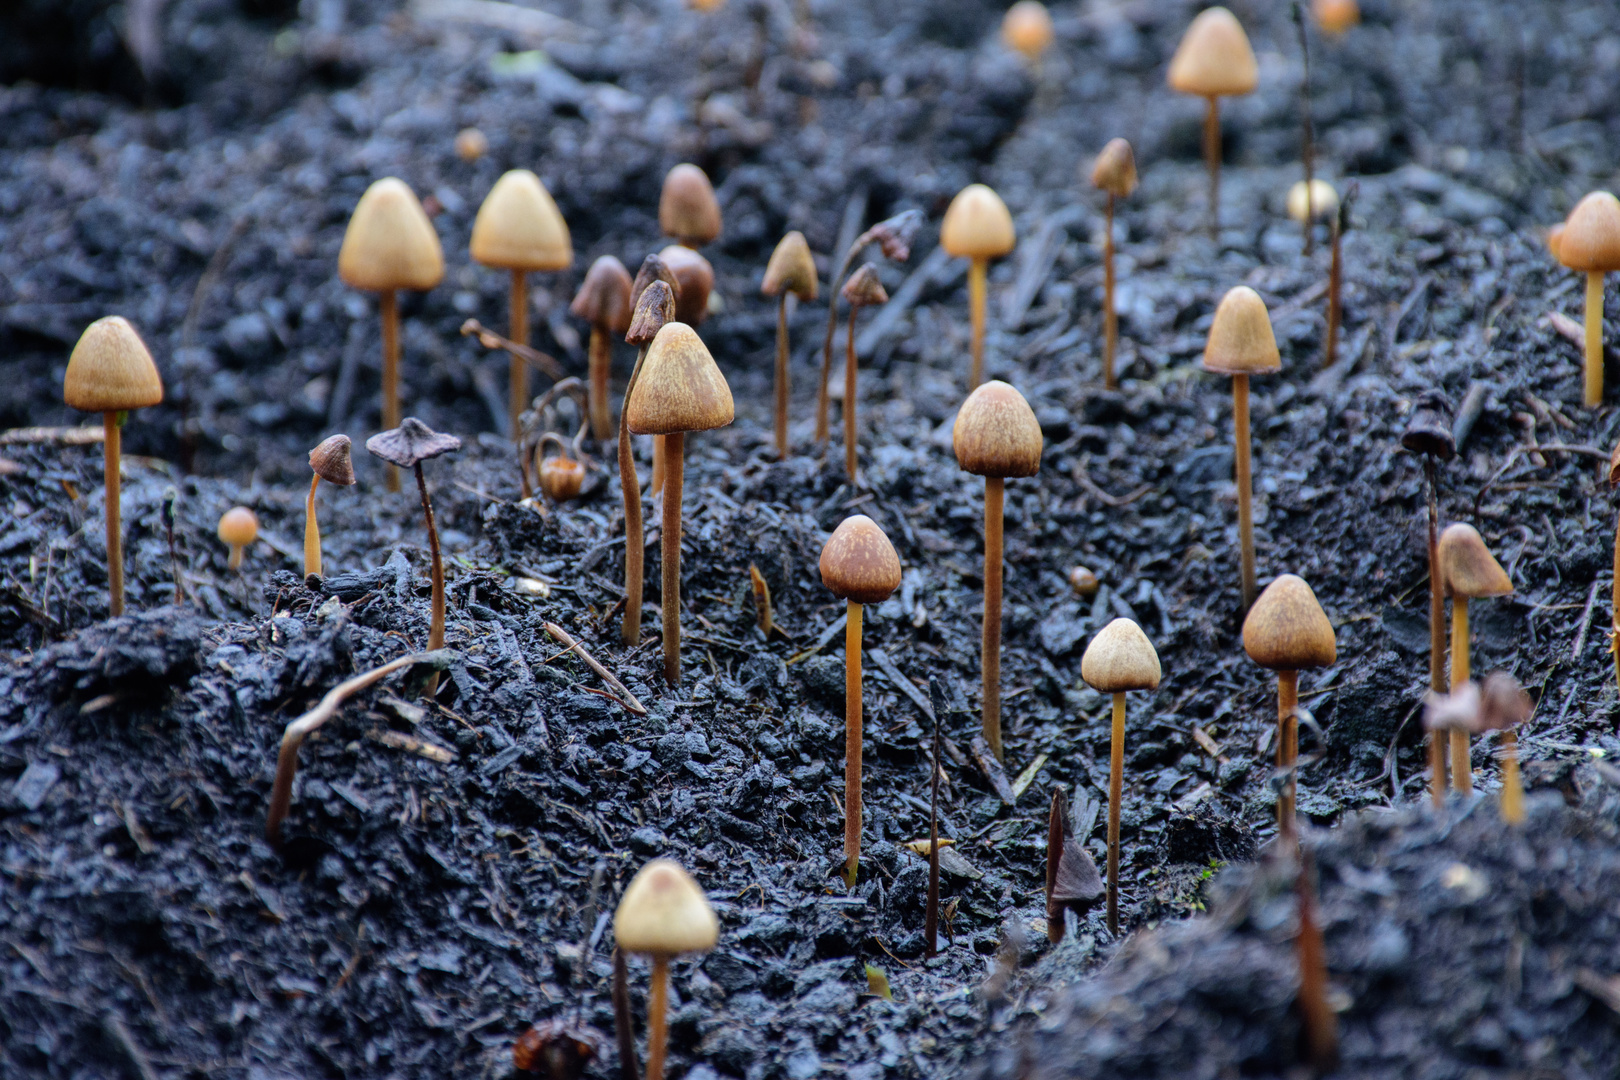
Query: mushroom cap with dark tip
1428, 429
390, 243
864, 288
603, 299
654, 308
520, 228
1240, 339
331, 461
996, 433
664, 913
1287, 630
1120, 659
687, 208
977, 225
1503, 703
110, 369
680, 387
238, 527
858, 563
1115, 169
1591, 237
1214, 58
411, 442
1467, 565
792, 269
694, 278
653, 268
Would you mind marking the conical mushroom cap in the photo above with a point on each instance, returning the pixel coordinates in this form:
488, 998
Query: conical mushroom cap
1214, 58
604, 296
1120, 658
1469, 568
664, 913
520, 228
1027, 28
411, 442
654, 309
977, 225
858, 563
390, 243
694, 278
1324, 200
687, 208
331, 461
1591, 237
680, 387
110, 369
792, 269
1555, 241
996, 433
1287, 630
864, 289
653, 268
1428, 430
1240, 339
1115, 169
238, 527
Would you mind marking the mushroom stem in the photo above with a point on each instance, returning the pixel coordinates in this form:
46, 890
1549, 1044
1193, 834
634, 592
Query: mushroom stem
635, 537
849, 400
312, 531
520, 334
1512, 788
436, 626
601, 362
389, 304
674, 445
1212, 160
1330, 351
990, 644
822, 397
1594, 338
657, 1016
628, 1065
1116, 785
1437, 641
1287, 746
235, 561
781, 377
852, 744
977, 270
1110, 318
1462, 772
1240, 434
1321, 1024
115, 544
656, 484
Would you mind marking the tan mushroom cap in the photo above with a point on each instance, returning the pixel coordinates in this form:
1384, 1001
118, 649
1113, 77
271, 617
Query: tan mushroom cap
1324, 200
858, 563
1120, 658
603, 299
1214, 58
680, 387
390, 243
110, 369
694, 280
1469, 568
238, 527
864, 288
687, 208
792, 269
996, 433
1115, 169
1336, 16
664, 913
520, 228
1287, 630
1591, 237
1240, 339
332, 460
977, 225
1027, 28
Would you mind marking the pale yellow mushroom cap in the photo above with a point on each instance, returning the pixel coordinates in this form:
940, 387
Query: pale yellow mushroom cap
664, 913
520, 228
1240, 339
110, 369
1214, 58
1324, 202
1120, 658
977, 225
1027, 28
390, 243
238, 527
1467, 565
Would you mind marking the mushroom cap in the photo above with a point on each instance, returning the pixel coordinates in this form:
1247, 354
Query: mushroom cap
110, 369
411, 442
655, 308
1555, 240
694, 277
1027, 28
1120, 658
977, 225
664, 913
1240, 339
792, 269
1336, 16
1428, 429
1324, 200
996, 433
1591, 236
331, 461
561, 477
1287, 630
864, 288
1467, 565
390, 243
1456, 711
687, 208
604, 296
858, 563
1503, 703
238, 527
1115, 169
1214, 58
680, 387
653, 268
520, 228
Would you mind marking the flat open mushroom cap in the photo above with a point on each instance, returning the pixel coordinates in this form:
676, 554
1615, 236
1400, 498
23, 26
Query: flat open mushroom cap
1428, 429
1120, 658
1469, 568
864, 289
1214, 58
110, 369
694, 277
603, 299
331, 461
1240, 339
687, 208
792, 269
520, 228
1324, 200
996, 433
1027, 28
1591, 236
858, 563
411, 442
1287, 630
390, 243
655, 308
1115, 169
680, 387
977, 225
238, 527
664, 913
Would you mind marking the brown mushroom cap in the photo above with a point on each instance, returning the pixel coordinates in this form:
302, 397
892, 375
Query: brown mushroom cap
1115, 169
694, 278
1240, 339
664, 913
411, 442
110, 369
603, 299
1120, 658
238, 527
561, 478
977, 225
680, 388
331, 461
1027, 28
1503, 703
792, 269
653, 268
520, 228
864, 288
1287, 630
1469, 568
1591, 236
390, 243
996, 433
858, 563
1428, 429
655, 308
1214, 58
1336, 16
687, 208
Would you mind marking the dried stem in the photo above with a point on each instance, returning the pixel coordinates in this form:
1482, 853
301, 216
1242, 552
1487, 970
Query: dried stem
115, 543
1330, 351
600, 366
1321, 1026
389, 304
822, 397
1437, 639
1055, 918
520, 371
1245, 492
635, 538
1594, 338
312, 531
564, 638
1110, 317
670, 599
782, 385
931, 918
1462, 770
849, 399
852, 744
1308, 148
436, 626
1116, 786
978, 269
1287, 749
990, 643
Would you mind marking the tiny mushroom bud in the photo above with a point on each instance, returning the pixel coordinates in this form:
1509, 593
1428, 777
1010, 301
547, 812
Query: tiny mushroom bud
238, 527
1336, 16
792, 270
977, 227
1214, 60
663, 914
863, 289
1084, 582
471, 144
1428, 433
556, 1049
694, 279
1591, 242
1470, 571
603, 301
655, 306
1027, 29
1503, 706
1316, 201
1115, 173
687, 208
330, 461
561, 476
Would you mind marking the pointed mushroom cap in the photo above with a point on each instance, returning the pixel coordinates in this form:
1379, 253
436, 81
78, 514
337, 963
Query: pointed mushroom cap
655, 308
1115, 169
1503, 703
411, 442
1078, 885
390, 243
680, 387
1240, 339
1324, 200
1469, 568
977, 225
996, 433
1027, 28
238, 527
694, 278
664, 913
1428, 429
858, 563
604, 296
653, 268
110, 369
331, 461
864, 289
1591, 237
687, 208
792, 269
1214, 58
1287, 630
520, 228
1120, 658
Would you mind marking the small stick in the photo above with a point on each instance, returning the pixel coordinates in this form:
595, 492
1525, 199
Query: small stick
56, 436
931, 918
629, 1067
565, 639
1437, 639
489, 339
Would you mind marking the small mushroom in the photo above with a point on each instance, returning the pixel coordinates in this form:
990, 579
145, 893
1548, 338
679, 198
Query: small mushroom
1503, 706
1428, 434
655, 306
1084, 582
330, 461
863, 289
687, 208
1027, 29
791, 271
694, 279
662, 915
1336, 17
1590, 242
471, 144
561, 475
1115, 173
1213, 61
977, 227
1072, 881
1312, 202
603, 301
1470, 571
238, 527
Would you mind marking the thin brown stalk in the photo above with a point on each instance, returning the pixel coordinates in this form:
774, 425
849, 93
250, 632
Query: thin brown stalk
389, 303
978, 272
670, 599
1462, 770
520, 334
1287, 748
600, 367
1330, 350
635, 538
1437, 641
1116, 788
629, 1066
1245, 489
115, 541
782, 387
312, 531
564, 638
852, 744
1110, 317
849, 400
657, 1017
1212, 160
436, 626
990, 642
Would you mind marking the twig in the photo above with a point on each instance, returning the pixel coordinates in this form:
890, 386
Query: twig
1543, 448
1473, 404
1084, 478
1586, 619
931, 919
562, 637
489, 339
56, 436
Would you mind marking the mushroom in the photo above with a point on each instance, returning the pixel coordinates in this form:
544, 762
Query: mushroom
238, 527
1287, 631
390, 245
687, 208
110, 372
603, 301
977, 227
680, 389
471, 144
655, 306
863, 289
1027, 29
1115, 173
561, 475
1084, 582
1213, 61
1591, 242
995, 436
694, 279
1555, 240
1428, 433
1312, 202
1072, 881
1335, 17
1118, 660
1241, 344
329, 461
791, 270
663, 914
1503, 706
1470, 571
860, 566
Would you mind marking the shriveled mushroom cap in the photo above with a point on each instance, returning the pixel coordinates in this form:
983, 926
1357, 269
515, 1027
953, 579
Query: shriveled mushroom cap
1469, 568
390, 243
1027, 28
1214, 58
1324, 200
653, 268
858, 563
1120, 658
1428, 429
1115, 169
238, 526
977, 225
664, 913
694, 278
520, 228
411, 442
110, 369
1240, 339
331, 461
792, 269
655, 308
680, 387
1503, 703
864, 289
687, 208
1591, 237
996, 433
604, 296
1287, 630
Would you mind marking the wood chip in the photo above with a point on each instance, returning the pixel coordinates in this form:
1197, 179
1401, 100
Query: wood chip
411, 744
954, 863
1209, 745
1027, 777
993, 771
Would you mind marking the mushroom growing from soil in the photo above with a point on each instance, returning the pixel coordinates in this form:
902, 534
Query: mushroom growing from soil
390, 245
1072, 881
687, 208
110, 372
330, 461
1590, 242
238, 527
603, 301
1027, 29
561, 475
1312, 202
860, 566
663, 914
863, 289
996, 436
1287, 631
1118, 660
977, 227
1503, 706
1336, 17
1470, 572
679, 390
791, 271
1213, 61
1428, 434
1115, 173
1241, 344
655, 306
